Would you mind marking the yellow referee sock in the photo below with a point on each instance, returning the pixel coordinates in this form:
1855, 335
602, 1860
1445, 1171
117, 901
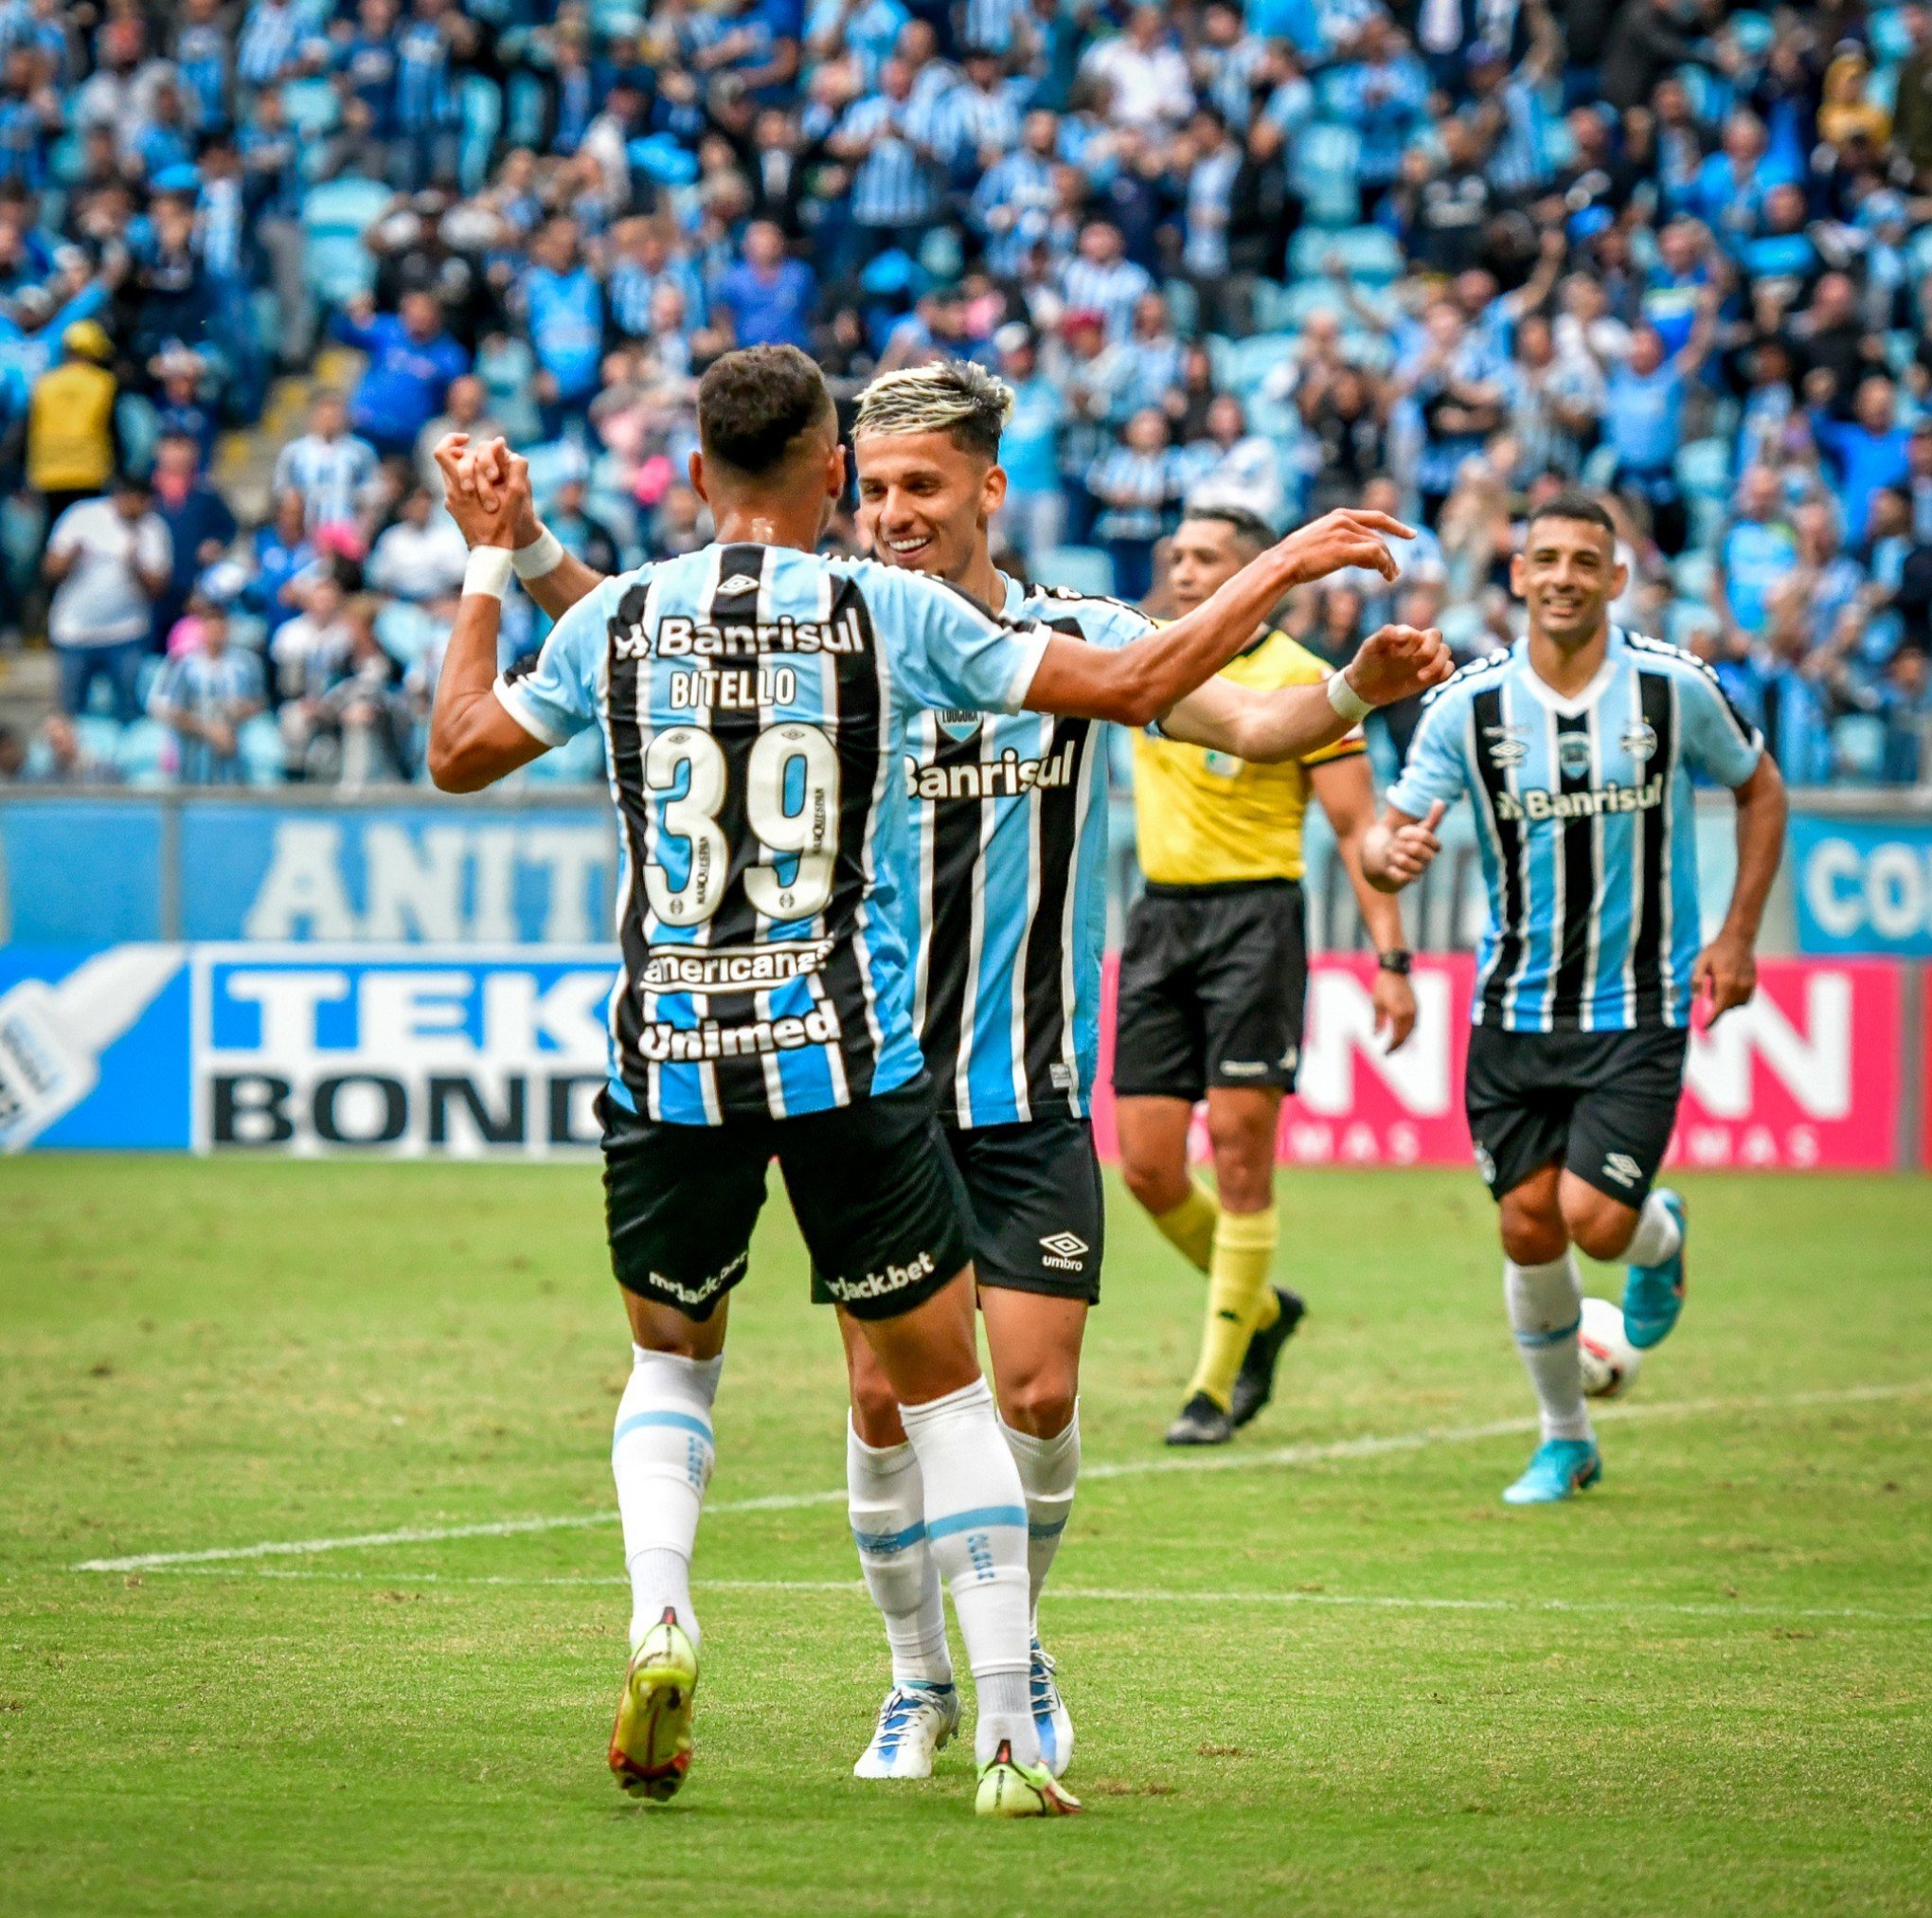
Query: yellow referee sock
1190, 1228
1237, 1286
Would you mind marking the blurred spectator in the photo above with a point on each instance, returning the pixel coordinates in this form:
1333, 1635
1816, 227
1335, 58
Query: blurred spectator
71, 443
200, 524
110, 561
328, 468
1298, 253
204, 696
412, 360
421, 556
60, 757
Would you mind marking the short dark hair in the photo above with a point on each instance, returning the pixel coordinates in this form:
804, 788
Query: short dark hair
1574, 505
754, 403
1250, 528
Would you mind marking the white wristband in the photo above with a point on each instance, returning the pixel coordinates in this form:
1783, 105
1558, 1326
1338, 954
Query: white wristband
488, 573
1346, 700
544, 554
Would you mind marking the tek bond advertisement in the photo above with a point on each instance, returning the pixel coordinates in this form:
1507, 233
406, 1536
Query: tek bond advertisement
415, 1051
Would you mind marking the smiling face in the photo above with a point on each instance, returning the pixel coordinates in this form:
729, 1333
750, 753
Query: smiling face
925, 502
1566, 575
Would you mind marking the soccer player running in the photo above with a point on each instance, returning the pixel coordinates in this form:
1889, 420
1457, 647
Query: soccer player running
1577, 748
1213, 977
1008, 883
754, 700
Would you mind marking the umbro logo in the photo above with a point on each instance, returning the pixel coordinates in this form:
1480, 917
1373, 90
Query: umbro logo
1065, 1252
1623, 1168
738, 582
1509, 748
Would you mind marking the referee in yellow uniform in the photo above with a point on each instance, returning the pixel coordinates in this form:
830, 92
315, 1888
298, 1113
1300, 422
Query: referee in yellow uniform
1212, 980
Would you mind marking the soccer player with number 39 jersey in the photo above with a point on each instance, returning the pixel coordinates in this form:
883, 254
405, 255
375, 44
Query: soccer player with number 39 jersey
755, 700
1576, 748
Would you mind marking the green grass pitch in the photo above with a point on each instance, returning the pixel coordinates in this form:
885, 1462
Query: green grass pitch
1339, 1678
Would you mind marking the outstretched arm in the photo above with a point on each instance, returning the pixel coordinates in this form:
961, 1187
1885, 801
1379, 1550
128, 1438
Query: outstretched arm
1139, 682
1396, 662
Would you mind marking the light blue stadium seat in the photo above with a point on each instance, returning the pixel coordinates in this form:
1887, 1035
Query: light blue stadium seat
98, 735
1890, 35
1184, 307
482, 120
612, 19
1686, 619
140, 427
1597, 467
259, 743
1704, 467
336, 215
1274, 304
1695, 577
1369, 253
144, 679
403, 631
1326, 161
1240, 365
312, 106
1085, 569
145, 753
1858, 748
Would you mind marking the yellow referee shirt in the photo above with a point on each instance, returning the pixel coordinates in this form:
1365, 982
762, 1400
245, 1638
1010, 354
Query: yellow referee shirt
1206, 818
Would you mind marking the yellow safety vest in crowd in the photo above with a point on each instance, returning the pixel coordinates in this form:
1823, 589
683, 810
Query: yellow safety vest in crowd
1208, 819
71, 428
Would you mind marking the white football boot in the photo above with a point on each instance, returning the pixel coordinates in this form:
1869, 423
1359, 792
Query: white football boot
1050, 1716
914, 1723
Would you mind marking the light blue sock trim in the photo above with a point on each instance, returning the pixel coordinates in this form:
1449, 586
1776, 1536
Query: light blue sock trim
975, 1521
683, 1422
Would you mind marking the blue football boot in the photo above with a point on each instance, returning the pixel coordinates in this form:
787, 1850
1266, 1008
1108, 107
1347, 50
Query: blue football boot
1654, 1295
1560, 1468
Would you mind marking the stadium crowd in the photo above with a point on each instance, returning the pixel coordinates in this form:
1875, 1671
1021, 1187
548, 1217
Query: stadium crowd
1441, 258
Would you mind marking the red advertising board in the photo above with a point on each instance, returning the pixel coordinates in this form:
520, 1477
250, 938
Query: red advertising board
1808, 1075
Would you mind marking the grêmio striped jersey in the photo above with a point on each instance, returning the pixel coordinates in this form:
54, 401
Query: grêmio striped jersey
1008, 878
1586, 825
755, 703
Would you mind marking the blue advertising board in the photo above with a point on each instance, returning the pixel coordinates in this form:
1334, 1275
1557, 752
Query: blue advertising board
1862, 886
308, 1049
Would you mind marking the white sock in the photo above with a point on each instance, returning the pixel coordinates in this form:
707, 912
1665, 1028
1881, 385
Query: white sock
886, 1502
975, 1521
661, 1456
1546, 1304
1657, 1234
1048, 1469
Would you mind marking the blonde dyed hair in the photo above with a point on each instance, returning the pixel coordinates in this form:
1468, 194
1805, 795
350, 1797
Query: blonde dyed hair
950, 396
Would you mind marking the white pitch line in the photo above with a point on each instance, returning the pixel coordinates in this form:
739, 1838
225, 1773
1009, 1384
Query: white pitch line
1366, 1447
1075, 1594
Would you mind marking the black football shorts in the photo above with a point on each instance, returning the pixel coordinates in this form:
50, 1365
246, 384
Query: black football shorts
878, 1199
1213, 983
1036, 1205
1601, 1103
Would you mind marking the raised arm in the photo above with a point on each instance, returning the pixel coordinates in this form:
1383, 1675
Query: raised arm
486, 481
1396, 662
472, 739
1139, 682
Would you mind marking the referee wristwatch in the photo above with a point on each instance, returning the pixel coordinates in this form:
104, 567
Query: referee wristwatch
1398, 958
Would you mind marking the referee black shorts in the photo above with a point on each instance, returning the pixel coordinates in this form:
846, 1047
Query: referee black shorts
1602, 1104
1037, 1210
1213, 979
878, 1199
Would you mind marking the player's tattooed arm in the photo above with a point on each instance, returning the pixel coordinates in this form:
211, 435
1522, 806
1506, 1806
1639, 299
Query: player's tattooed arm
1139, 682
1395, 662
1726, 974
1399, 848
472, 738
482, 481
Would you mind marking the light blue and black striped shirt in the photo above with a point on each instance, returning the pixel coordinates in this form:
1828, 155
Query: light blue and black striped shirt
757, 705
1586, 825
1008, 891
